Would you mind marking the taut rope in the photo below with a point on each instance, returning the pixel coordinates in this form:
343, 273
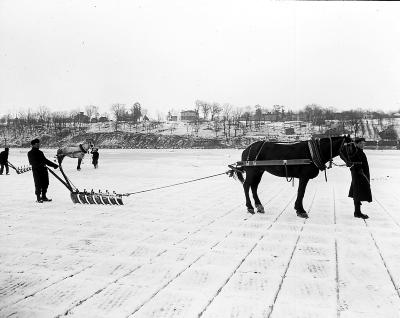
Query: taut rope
173, 185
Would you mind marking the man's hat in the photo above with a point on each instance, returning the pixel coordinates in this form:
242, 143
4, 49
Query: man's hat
35, 141
359, 139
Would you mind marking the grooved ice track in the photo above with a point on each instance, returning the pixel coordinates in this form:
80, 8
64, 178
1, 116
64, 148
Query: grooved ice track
192, 251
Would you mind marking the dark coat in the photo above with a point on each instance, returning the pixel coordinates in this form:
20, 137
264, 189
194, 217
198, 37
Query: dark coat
4, 157
39, 162
95, 157
360, 189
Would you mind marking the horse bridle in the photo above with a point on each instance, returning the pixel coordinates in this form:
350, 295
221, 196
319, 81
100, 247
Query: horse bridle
90, 146
345, 155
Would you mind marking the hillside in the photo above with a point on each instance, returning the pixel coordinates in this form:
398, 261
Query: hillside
171, 135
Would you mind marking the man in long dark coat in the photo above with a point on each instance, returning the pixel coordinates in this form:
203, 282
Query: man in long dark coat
360, 189
39, 165
95, 157
4, 161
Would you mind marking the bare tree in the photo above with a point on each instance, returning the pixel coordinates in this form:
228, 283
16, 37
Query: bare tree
258, 116
226, 113
215, 109
205, 107
119, 111
136, 112
198, 105
43, 114
92, 111
237, 114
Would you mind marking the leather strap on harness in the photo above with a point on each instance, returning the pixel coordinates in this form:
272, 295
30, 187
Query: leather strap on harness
314, 147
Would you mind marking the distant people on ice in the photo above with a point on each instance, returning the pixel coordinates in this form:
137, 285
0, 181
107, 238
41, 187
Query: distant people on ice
39, 165
4, 161
360, 189
95, 157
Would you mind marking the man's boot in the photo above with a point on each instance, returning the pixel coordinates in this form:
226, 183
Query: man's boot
39, 199
44, 198
357, 211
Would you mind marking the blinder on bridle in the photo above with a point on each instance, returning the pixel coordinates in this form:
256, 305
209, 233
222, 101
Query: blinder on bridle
347, 151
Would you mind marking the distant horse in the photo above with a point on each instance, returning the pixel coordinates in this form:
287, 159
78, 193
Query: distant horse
318, 151
75, 152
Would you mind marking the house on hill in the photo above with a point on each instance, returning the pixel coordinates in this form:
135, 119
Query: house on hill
189, 115
172, 117
103, 119
81, 117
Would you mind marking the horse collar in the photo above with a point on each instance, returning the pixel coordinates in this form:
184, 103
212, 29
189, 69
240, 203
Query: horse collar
314, 148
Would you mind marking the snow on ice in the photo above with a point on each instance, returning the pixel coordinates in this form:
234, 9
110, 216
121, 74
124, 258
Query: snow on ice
192, 250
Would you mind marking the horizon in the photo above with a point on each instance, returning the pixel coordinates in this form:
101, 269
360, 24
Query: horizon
166, 55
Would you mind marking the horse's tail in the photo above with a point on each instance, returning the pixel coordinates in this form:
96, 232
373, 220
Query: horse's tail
236, 172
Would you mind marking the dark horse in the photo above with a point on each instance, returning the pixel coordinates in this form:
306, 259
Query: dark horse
75, 152
318, 151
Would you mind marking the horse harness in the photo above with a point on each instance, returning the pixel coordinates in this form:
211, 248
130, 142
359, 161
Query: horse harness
314, 146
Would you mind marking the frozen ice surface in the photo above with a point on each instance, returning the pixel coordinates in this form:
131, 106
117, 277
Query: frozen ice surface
192, 250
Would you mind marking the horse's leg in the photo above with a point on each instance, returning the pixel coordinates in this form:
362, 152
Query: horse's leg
254, 187
246, 187
79, 164
250, 181
298, 206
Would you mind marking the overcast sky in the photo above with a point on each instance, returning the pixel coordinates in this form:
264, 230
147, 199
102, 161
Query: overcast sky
166, 54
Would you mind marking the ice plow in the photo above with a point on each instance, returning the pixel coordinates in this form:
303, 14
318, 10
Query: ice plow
87, 197
96, 197
19, 170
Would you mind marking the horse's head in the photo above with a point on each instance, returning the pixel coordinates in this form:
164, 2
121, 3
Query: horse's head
331, 147
89, 143
347, 151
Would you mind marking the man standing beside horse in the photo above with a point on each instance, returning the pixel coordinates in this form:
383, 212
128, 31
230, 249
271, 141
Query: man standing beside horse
39, 165
95, 157
360, 189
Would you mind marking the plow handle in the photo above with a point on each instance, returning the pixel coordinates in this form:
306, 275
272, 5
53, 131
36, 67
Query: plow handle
59, 179
12, 166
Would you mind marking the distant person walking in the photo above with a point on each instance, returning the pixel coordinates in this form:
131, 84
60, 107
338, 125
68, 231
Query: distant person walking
360, 189
95, 157
39, 165
4, 161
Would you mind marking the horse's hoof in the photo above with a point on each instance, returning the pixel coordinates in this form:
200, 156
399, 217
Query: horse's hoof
260, 208
302, 214
251, 211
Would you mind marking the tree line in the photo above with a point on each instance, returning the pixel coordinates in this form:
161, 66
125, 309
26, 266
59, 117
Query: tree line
223, 119
233, 121
26, 123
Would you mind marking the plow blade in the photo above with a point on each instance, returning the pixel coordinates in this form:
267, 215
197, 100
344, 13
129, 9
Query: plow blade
96, 198
19, 170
